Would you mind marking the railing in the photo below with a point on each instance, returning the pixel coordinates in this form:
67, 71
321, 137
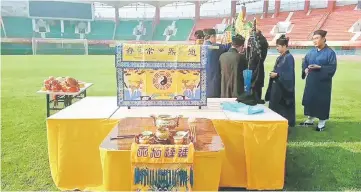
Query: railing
192, 31
319, 25
115, 29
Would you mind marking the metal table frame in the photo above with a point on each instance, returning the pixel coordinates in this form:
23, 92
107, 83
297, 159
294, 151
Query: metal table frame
65, 99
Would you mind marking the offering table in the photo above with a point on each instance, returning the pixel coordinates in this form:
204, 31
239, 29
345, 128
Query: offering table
255, 145
115, 154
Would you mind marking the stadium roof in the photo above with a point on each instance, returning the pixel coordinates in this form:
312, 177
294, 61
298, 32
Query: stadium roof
153, 3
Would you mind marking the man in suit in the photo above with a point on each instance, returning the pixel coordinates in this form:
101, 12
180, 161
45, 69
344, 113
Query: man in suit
232, 65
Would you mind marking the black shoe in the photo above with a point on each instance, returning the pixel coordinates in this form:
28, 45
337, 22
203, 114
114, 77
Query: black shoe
306, 124
320, 129
261, 102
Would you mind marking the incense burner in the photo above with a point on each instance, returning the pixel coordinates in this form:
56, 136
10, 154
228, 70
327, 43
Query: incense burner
165, 124
166, 121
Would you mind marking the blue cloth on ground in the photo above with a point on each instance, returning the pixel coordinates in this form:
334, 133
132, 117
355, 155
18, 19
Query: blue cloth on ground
241, 107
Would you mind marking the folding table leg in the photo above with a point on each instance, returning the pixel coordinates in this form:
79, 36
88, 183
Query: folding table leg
47, 105
70, 98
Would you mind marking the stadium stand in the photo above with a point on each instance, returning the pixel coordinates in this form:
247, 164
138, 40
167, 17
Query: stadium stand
339, 22
267, 24
160, 30
343, 25
55, 29
184, 28
148, 25
2, 32
101, 29
69, 30
336, 23
2, 28
205, 23
18, 27
124, 30
305, 24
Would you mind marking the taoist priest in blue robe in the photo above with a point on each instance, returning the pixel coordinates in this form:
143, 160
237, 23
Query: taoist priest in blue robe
319, 67
281, 87
213, 66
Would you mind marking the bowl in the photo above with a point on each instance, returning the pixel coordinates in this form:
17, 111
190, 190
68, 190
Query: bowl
181, 133
178, 139
147, 133
144, 139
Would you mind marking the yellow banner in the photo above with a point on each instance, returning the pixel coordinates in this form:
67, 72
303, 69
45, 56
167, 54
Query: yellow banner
161, 53
162, 154
162, 167
161, 84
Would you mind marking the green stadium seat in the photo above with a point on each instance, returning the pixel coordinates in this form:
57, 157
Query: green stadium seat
55, 29
184, 28
101, 30
37, 35
159, 30
18, 27
69, 30
148, 25
124, 30
2, 31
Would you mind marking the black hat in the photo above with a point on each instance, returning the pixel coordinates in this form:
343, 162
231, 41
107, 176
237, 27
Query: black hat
282, 40
320, 32
209, 32
199, 34
238, 40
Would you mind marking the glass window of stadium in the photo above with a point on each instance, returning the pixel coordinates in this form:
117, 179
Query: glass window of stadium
292, 5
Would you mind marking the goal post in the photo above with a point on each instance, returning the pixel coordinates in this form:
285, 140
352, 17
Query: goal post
59, 46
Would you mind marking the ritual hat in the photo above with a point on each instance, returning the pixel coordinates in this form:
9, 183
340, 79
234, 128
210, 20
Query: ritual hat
282, 40
238, 40
320, 32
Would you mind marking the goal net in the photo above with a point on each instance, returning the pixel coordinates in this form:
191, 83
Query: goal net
60, 46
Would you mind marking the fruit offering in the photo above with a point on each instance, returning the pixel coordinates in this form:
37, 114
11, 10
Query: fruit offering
64, 84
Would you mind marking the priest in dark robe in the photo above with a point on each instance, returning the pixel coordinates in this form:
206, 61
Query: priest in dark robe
213, 68
232, 65
281, 87
257, 66
318, 68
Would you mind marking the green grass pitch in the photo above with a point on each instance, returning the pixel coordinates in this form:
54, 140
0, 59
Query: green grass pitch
329, 160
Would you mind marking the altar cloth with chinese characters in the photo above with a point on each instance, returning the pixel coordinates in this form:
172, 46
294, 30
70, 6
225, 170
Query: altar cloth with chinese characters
158, 167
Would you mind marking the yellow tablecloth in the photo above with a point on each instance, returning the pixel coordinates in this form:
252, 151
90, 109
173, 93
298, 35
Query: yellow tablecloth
255, 153
73, 147
254, 158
